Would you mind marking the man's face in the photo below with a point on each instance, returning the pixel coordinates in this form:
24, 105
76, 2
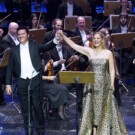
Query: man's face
13, 30
58, 25
81, 24
22, 36
124, 3
123, 20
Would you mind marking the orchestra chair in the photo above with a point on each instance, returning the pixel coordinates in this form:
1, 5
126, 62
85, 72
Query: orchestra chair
114, 20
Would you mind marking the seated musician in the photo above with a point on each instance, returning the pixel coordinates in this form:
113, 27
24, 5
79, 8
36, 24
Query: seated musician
81, 31
111, 47
124, 53
123, 26
124, 7
57, 93
35, 22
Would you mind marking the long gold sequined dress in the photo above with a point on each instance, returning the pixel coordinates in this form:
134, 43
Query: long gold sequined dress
100, 109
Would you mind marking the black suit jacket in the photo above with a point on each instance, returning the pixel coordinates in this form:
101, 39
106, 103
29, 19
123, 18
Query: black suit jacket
55, 57
35, 48
49, 36
62, 10
117, 29
76, 32
7, 42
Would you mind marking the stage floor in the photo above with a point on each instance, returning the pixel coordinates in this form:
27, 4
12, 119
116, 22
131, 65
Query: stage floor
11, 122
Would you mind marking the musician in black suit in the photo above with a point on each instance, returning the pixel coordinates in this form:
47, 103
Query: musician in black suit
25, 64
69, 8
10, 39
123, 26
81, 31
7, 41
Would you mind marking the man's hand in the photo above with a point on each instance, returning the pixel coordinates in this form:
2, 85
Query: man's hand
8, 90
51, 78
134, 61
59, 35
61, 61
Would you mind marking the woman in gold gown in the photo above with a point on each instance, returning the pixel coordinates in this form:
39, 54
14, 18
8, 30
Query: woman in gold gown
100, 114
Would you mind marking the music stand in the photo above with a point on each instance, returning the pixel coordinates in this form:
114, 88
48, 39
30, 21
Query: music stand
122, 41
37, 34
109, 7
70, 22
76, 77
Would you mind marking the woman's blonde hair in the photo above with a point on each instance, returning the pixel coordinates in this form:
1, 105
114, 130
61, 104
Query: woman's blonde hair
103, 40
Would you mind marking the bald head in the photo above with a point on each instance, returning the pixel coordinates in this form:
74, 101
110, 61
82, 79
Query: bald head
81, 23
12, 29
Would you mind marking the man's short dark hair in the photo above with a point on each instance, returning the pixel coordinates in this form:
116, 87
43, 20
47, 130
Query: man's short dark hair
23, 28
123, 14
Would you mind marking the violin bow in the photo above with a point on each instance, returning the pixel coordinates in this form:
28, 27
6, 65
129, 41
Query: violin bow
5, 18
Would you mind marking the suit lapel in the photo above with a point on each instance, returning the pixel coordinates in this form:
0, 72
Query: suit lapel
55, 52
31, 50
18, 57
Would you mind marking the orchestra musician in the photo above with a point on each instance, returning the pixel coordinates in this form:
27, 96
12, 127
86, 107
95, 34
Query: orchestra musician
69, 8
124, 53
124, 7
123, 26
81, 31
111, 47
2, 76
35, 22
8, 41
57, 93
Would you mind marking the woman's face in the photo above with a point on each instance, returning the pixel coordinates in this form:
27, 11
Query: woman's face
97, 40
107, 35
34, 21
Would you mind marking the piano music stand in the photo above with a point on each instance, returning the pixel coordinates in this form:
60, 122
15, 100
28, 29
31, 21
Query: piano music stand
76, 77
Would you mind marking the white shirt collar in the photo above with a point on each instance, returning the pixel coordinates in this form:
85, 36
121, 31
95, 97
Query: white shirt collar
24, 45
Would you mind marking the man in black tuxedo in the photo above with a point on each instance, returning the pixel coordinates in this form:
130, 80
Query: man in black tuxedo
123, 26
81, 31
25, 64
69, 8
10, 39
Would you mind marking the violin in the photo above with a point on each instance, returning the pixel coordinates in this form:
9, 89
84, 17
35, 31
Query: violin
73, 62
50, 68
